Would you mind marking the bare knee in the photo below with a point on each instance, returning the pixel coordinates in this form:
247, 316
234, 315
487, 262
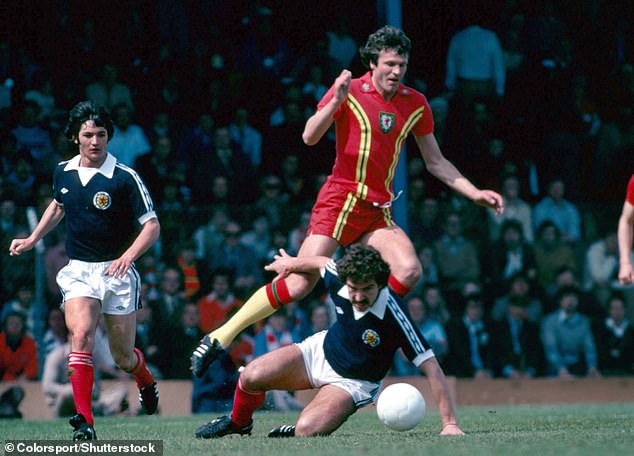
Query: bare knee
82, 340
408, 272
312, 425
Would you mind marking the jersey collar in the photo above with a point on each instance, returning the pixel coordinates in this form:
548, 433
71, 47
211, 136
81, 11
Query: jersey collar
378, 308
107, 168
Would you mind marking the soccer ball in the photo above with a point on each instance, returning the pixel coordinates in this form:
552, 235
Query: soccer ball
400, 406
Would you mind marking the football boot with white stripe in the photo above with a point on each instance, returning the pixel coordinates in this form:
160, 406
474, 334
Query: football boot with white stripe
149, 398
205, 354
285, 430
220, 427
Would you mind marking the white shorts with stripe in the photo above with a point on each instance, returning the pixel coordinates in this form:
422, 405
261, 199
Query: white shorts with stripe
118, 296
321, 373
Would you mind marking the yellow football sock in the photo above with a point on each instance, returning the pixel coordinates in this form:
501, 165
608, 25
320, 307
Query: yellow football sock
255, 309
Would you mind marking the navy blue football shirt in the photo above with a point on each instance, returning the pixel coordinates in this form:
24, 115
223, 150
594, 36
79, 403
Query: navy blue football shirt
104, 208
361, 345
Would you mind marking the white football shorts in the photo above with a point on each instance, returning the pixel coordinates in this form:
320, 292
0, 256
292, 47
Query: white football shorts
320, 372
118, 296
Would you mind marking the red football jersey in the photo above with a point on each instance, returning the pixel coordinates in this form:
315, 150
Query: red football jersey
370, 135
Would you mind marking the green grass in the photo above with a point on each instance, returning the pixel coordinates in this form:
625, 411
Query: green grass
495, 430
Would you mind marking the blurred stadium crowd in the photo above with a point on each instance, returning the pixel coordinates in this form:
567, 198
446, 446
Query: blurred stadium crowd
209, 99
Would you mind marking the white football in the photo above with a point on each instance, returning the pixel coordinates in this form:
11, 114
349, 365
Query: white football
400, 406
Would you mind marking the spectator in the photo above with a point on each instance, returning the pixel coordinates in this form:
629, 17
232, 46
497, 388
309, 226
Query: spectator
515, 208
56, 333
425, 223
177, 345
128, 141
475, 66
18, 352
602, 266
24, 303
23, 180
272, 200
588, 303
210, 235
551, 254
229, 161
555, 208
516, 345
469, 339
509, 255
170, 299
456, 256
258, 238
108, 91
194, 270
247, 137
216, 306
519, 290
148, 337
614, 338
238, 258
155, 166
35, 139
568, 341
435, 305
319, 317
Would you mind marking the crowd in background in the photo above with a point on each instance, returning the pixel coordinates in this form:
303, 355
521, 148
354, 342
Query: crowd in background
209, 100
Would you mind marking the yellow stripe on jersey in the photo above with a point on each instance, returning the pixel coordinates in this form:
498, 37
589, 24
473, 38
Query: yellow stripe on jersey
365, 141
407, 127
387, 216
348, 206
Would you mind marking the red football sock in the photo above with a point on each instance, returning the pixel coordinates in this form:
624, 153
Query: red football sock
397, 286
82, 377
278, 294
245, 402
141, 373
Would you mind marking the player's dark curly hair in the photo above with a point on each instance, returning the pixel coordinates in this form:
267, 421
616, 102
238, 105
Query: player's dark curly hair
363, 264
88, 110
387, 37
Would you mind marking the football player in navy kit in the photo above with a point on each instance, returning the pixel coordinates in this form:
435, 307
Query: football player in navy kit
348, 361
110, 223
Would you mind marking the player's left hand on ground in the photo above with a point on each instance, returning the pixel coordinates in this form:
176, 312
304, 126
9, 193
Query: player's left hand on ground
451, 429
489, 198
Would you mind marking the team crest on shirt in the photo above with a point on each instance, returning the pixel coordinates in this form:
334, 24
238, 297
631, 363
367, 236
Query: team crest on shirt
387, 121
102, 200
371, 337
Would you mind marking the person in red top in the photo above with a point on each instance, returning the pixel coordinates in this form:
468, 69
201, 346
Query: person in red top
215, 306
373, 115
18, 352
625, 233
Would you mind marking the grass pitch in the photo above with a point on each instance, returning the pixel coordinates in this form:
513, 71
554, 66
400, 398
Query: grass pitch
495, 430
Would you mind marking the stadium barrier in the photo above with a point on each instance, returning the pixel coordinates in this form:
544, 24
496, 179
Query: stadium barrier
176, 394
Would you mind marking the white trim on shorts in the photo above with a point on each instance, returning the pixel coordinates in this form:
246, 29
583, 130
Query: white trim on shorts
83, 279
321, 373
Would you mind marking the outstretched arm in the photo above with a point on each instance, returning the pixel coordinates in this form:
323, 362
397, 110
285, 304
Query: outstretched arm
319, 123
444, 170
53, 214
440, 390
625, 234
284, 264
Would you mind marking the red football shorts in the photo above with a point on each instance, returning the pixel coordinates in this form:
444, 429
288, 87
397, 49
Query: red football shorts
339, 214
